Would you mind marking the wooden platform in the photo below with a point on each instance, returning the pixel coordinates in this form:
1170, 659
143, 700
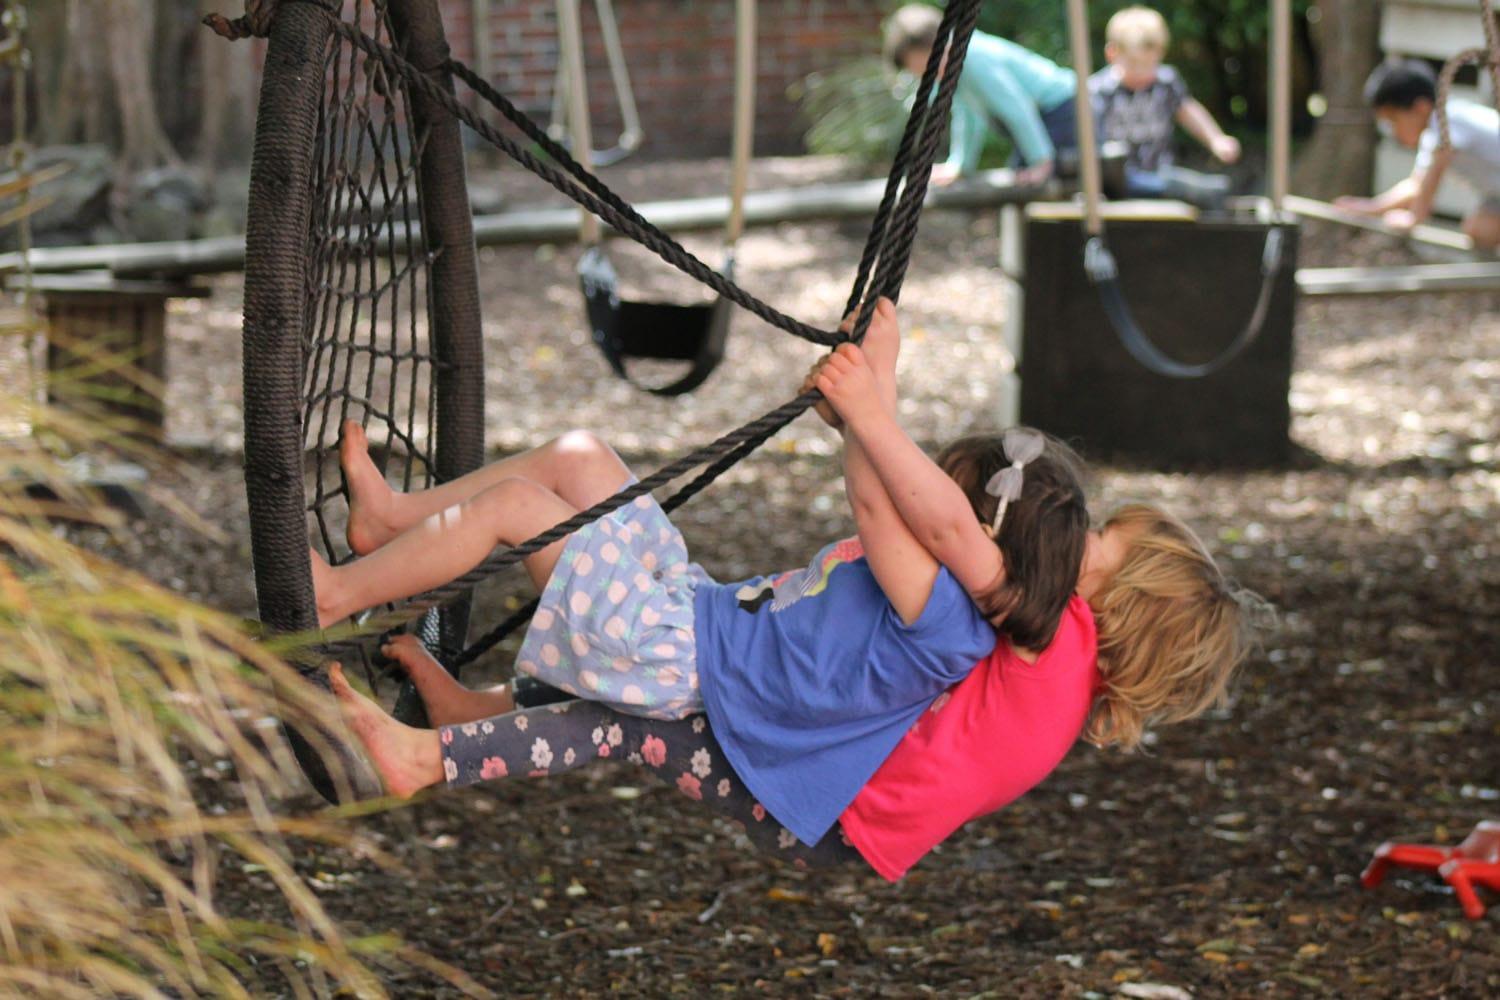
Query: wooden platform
1478, 276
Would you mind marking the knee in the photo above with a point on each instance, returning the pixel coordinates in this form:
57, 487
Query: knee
585, 449
1483, 228
581, 445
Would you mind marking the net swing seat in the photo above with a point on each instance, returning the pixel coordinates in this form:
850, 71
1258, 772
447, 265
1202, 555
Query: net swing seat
361, 302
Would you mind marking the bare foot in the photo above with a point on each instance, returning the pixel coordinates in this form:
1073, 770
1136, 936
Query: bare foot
408, 759
369, 494
448, 702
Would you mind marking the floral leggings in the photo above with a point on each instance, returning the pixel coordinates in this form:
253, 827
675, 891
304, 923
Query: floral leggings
550, 739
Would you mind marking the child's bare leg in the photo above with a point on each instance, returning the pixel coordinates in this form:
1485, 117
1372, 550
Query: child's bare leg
448, 702
408, 759
1482, 226
578, 466
442, 547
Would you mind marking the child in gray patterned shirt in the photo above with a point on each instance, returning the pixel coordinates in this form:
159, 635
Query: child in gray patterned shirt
1137, 102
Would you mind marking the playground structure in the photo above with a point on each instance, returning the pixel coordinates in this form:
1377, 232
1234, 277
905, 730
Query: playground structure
321, 280
1120, 227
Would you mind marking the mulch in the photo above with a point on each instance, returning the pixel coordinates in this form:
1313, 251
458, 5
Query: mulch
1222, 861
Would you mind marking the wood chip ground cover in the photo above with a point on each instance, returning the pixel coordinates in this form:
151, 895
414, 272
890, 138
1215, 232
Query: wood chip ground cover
1223, 862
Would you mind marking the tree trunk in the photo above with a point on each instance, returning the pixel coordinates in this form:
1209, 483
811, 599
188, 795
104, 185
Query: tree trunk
226, 95
127, 31
70, 75
1340, 156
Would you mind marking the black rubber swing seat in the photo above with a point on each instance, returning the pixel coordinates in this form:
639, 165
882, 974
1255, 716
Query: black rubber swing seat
625, 330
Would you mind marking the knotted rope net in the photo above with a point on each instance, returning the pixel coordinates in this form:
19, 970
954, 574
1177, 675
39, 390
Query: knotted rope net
366, 347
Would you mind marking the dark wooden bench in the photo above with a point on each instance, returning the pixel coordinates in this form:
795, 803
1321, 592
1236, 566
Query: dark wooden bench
106, 345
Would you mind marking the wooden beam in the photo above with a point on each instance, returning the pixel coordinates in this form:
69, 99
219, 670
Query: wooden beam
1466, 277
843, 200
1131, 210
1437, 236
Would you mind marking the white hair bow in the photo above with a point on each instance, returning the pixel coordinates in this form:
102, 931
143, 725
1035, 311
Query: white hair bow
1022, 445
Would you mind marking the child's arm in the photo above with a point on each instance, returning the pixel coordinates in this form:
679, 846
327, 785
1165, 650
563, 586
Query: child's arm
932, 506
903, 568
1424, 183
1007, 100
1399, 195
966, 131
1194, 117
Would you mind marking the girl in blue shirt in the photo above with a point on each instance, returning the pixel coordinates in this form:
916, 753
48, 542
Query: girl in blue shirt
1031, 95
809, 678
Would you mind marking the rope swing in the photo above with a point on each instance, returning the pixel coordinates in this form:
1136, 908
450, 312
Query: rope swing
880, 273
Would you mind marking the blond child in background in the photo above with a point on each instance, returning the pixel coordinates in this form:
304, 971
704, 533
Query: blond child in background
1137, 101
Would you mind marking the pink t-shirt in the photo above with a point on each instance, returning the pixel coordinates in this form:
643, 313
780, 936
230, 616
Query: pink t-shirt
984, 743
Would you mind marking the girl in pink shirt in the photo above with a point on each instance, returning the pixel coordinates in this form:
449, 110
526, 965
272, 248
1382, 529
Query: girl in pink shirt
1151, 635
1023, 580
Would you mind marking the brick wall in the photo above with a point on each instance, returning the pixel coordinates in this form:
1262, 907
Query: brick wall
681, 59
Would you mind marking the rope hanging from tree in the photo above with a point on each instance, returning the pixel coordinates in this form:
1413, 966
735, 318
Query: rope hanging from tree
880, 272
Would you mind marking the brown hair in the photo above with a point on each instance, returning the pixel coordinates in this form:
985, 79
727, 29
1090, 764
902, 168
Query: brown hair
914, 26
1171, 630
1041, 537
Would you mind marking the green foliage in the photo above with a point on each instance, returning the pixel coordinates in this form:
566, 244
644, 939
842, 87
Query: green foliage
1219, 46
857, 110
115, 696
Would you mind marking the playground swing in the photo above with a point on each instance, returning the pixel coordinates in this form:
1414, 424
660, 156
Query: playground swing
364, 314
627, 329
631, 134
1120, 345
1099, 262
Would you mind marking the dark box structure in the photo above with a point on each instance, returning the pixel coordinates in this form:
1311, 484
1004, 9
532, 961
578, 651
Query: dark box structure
1192, 286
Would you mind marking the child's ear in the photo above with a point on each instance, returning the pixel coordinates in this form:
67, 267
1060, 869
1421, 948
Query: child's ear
1111, 52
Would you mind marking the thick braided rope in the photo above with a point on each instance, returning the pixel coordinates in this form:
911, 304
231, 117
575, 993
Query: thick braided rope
953, 36
1488, 56
636, 228
892, 243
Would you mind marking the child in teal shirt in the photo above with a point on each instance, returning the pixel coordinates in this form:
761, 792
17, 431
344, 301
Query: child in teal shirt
1031, 95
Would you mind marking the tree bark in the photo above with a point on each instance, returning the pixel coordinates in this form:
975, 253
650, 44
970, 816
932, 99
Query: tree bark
70, 77
226, 95
1340, 156
127, 31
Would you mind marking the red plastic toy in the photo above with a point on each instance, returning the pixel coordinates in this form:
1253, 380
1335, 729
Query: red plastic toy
1476, 861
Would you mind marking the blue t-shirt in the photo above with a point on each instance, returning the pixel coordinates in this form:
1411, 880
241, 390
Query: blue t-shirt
810, 678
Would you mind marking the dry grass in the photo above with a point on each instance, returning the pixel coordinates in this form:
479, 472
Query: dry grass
115, 696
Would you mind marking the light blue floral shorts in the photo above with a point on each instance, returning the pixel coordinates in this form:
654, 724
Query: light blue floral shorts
615, 623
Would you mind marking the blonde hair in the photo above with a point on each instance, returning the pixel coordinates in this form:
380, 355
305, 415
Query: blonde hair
1171, 631
1138, 29
914, 26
